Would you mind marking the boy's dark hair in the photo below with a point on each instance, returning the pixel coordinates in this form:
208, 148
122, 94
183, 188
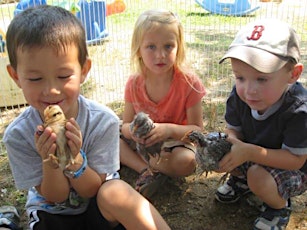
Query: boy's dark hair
42, 26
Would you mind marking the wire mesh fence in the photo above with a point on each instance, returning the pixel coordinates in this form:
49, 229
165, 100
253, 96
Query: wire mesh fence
109, 26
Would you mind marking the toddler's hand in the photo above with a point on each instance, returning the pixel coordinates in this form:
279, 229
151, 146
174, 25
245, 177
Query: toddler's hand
236, 157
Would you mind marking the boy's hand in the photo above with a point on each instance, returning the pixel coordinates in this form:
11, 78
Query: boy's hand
45, 142
237, 156
74, 136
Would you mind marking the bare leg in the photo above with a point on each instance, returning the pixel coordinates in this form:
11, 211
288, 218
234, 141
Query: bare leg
180, 162
263, 185
130, 158
119, 202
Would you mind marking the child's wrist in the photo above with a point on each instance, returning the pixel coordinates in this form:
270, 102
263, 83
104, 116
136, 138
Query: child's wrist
76, 169
51, 160
78, 159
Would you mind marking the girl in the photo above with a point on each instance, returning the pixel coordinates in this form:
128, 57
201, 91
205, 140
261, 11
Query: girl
168, 93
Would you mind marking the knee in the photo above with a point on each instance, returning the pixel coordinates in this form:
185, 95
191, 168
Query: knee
103, 193
257, 178
185, 163
108, 193
191, 165
110, 198
113, 192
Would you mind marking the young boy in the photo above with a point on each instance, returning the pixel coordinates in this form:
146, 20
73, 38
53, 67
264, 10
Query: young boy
49, 61
266, 117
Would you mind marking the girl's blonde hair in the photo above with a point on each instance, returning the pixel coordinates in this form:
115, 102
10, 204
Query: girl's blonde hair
149, 20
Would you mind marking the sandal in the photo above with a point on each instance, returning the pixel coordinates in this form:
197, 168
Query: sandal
146, 176
9, 218
149, 182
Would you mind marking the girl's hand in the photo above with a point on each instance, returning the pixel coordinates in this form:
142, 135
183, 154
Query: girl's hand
74, 136
237, 156
45, 141
136, 139
159, 133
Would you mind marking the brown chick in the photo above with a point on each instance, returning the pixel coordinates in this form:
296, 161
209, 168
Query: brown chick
55, 119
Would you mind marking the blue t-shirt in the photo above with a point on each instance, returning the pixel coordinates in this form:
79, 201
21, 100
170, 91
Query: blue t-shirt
284, 125
100, 131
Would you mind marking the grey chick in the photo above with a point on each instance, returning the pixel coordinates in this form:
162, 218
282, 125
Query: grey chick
211, 148
55, 119
140, 127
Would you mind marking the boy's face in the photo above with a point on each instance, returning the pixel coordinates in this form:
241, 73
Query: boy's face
47, 77
260, 90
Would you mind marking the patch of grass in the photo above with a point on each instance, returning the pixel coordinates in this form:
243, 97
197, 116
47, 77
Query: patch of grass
213, 115
8, 193
117, 107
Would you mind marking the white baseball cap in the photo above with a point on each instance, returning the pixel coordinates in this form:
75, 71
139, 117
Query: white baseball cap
266, 45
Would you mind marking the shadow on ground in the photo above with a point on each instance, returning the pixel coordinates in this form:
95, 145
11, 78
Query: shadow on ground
190, 205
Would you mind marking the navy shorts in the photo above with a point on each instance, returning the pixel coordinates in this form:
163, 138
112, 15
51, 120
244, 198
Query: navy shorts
89, 220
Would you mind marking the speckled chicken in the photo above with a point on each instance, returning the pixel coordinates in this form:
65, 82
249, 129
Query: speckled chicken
211, 148
140, 127
55, 119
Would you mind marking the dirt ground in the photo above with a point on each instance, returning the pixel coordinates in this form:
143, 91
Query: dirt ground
186, 204
190, 205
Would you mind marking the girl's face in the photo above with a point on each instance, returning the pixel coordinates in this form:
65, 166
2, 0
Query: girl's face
260, 90
158, 49
48, 78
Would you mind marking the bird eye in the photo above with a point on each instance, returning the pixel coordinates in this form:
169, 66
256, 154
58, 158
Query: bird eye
58, 113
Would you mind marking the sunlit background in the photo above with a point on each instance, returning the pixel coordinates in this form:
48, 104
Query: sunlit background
210, 26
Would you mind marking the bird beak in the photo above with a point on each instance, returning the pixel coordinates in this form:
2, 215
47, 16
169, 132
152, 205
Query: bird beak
135, 128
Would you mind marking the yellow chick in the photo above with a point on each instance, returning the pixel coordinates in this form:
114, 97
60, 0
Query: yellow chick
56, 120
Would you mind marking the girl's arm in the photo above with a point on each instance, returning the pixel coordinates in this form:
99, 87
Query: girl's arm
163, 131
195, 122
128, 116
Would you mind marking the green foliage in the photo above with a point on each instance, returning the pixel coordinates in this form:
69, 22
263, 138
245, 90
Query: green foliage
213, 115
117, 107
